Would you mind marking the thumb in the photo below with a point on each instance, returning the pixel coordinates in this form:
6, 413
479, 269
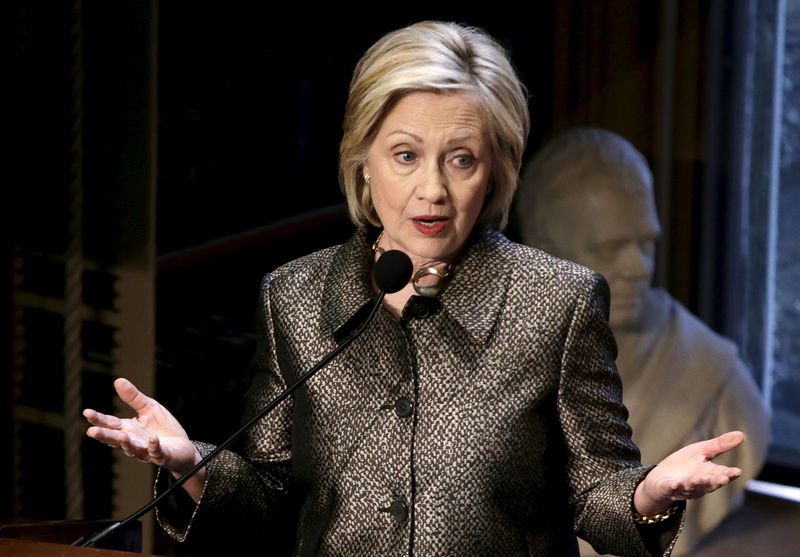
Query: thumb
132, 396
722, 444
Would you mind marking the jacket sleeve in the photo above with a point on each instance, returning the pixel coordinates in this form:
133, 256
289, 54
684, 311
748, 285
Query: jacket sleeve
603, 466
245, 486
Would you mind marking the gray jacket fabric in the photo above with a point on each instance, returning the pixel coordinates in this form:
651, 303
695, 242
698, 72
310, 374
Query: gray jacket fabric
487, 421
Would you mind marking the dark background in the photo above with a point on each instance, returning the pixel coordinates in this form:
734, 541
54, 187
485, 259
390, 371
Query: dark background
200, 141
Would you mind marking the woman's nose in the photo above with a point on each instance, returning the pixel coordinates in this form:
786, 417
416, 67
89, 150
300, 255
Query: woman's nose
432, 183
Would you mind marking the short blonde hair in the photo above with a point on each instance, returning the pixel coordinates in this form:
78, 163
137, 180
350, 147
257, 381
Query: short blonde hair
438, 57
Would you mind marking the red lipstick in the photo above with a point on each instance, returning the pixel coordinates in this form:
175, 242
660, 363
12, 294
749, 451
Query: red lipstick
430, 225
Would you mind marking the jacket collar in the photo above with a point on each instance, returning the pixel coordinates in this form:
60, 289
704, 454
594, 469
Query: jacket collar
477, 292
348, 284
473, 298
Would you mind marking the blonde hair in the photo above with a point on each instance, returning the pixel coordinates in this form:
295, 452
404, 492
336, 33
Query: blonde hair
438, 57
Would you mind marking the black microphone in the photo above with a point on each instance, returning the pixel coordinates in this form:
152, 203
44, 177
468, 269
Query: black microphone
391, 272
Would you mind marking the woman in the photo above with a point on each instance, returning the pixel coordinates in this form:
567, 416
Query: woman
480, 413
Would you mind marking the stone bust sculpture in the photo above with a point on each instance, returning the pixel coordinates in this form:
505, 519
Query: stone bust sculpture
587, 196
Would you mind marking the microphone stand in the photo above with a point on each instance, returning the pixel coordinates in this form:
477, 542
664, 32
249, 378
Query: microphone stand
90, 542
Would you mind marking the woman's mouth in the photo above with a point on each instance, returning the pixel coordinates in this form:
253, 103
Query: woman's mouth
430, 225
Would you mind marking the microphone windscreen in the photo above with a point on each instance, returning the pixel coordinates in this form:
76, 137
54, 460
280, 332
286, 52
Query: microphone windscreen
392, 271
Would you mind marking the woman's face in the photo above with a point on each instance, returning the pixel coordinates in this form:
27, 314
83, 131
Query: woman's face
429, 164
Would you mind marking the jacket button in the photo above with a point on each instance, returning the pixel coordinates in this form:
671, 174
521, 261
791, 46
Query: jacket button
403, 407
420, 307
399, 511
420, 310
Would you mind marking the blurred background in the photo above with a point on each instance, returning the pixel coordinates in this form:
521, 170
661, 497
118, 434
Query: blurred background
165, 155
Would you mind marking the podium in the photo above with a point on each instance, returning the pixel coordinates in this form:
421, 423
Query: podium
53, 539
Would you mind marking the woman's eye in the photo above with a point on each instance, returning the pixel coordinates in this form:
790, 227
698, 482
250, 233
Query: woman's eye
463, 160
405, 157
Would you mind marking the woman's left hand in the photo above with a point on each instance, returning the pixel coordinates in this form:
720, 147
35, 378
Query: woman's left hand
688, 473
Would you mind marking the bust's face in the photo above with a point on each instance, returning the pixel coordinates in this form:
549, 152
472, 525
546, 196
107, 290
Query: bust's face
613, 234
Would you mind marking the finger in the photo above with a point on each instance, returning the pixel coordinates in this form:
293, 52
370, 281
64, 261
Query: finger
154, 450
154, 447
130, 448
710, 468
132, 396
707, 482
726, 472
734, 473
107, 436
722, 444
724, 478
102, 420
699, 485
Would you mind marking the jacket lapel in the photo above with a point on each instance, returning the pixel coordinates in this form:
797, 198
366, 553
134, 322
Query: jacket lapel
478, 289
347, 286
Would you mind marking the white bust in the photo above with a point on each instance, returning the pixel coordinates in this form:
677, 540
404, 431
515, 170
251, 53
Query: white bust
587, 197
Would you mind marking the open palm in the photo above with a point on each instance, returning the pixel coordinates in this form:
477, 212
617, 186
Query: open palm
154, 435
688, 473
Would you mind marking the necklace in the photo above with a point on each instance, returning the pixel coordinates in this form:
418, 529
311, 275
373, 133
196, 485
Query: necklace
429, 290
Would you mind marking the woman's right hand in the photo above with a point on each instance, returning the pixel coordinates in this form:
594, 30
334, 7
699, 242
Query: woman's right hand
154, 435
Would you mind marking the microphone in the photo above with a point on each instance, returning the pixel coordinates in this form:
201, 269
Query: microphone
391, 273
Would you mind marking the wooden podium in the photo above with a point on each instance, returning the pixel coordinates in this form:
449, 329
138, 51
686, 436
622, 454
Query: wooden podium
53, 539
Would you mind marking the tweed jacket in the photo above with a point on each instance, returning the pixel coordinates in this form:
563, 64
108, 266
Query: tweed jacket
487, 421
